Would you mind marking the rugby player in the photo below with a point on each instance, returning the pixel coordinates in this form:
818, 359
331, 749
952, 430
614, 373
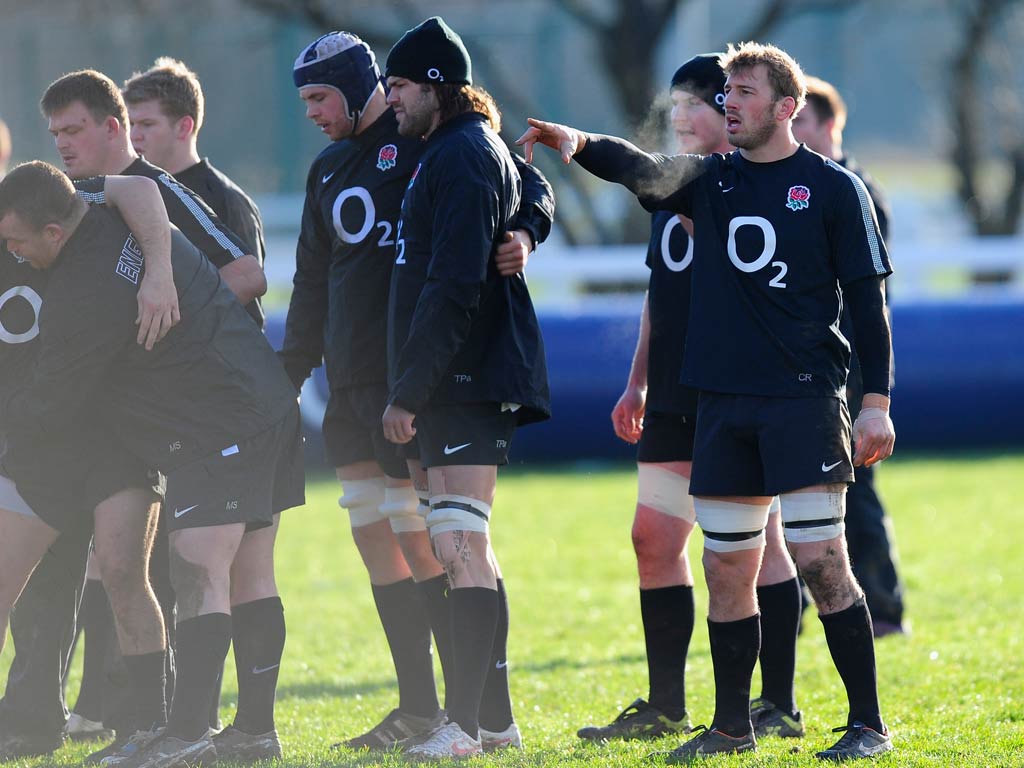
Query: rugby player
210, 406
465, 356
782, 238
820, 126
659, 413
112, 489
89, 122
337, 317
166, 108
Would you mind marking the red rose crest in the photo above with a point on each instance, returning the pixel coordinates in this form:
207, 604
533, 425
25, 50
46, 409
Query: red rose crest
798, 197
387, 157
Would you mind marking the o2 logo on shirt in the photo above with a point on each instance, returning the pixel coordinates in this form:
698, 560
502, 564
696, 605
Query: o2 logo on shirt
362, 195
35, 301
666, 251
767, 251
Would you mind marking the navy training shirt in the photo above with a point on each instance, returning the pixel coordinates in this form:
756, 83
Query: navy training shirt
345, 254
459, 332
774, 243
337, 314
669, 257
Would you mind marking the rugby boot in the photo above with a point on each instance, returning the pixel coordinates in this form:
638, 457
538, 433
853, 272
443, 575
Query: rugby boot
637, 721
709, 741
769, 720
858, 741
235, 746
397, 729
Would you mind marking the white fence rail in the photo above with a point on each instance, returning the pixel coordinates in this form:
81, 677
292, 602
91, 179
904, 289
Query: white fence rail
561, 275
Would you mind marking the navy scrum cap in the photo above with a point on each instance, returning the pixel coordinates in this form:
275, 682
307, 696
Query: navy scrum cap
341, 61
703, 76
430, 53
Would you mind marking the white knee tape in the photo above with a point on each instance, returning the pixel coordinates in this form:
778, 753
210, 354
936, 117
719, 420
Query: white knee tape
401, 507
449, 512
362, 499
776, 506
729, 526
664, 491
813, 516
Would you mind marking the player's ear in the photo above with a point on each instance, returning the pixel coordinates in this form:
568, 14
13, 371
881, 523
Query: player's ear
53, 233
113, 125
785, 108
185, 127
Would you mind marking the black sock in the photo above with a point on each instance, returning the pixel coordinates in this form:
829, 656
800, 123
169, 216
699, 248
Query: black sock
215, 701
434, 595
780, 606
852, 646
734, 646
97, 622
202, 645
667, 614
147, 675
496, 702
474, 619
258, 633
408, 633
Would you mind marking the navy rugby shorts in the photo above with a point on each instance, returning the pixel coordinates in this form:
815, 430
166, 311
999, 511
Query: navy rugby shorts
666, 437
465, 434
764, 446
353, 431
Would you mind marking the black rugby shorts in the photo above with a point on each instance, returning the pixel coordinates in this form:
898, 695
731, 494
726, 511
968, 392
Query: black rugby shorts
764, 446
465, 434
247, 482
353, 431
67, 476
666, 437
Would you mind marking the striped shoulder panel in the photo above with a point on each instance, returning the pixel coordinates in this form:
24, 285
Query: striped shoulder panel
200, 216
92, 198
867, 214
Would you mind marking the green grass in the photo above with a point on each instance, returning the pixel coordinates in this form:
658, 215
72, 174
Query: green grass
952, 692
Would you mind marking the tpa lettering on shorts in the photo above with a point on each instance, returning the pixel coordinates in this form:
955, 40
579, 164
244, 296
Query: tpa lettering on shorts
129, 265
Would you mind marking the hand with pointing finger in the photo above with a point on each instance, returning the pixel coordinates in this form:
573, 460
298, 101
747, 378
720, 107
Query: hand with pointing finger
562, 138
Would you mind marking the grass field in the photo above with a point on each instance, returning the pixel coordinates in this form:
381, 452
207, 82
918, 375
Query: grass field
952, 692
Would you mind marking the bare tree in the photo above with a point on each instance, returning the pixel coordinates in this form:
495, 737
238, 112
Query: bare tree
973, 136
627, 42
775, 12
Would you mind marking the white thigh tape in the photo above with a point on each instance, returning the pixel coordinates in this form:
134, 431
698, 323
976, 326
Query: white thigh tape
449, 512
729, 526
664, 491
362, 499
816, 516
776, 506
401, 508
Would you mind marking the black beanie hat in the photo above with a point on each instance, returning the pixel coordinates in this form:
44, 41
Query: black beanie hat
703, 76
430, 53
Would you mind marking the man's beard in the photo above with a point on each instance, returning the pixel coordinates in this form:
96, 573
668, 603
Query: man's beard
758, 136
415, 126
